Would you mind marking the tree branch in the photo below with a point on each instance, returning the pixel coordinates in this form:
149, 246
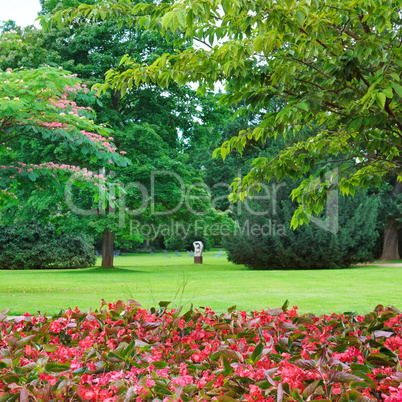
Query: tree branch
313, 66
203, 42
313, 83
365, 27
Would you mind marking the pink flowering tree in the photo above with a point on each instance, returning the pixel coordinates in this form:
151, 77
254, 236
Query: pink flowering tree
45, 105
41, 104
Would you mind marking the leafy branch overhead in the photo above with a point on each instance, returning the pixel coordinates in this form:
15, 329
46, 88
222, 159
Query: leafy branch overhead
335, 66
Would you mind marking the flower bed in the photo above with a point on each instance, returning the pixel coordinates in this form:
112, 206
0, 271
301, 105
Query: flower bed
125, 353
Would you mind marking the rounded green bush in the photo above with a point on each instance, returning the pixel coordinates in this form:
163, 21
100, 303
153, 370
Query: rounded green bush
34, 246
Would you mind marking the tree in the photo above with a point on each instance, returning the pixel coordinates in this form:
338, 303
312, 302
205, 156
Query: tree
263, 240
39, 104
336, 66
91, 49
151, 125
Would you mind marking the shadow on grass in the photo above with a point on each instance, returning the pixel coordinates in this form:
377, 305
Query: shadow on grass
350, 268
101, 271
73, 270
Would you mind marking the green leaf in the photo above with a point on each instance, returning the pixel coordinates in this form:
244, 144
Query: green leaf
161, 390
8, 379
352, 396
50, 348
255, 356
303, 106
360, 367
398, 88
300, 17
5, 397
79, 371
181, 18
381, 98
228, 368
231, 309
388, 92
379, 359
33, 176
57, 368
160, 364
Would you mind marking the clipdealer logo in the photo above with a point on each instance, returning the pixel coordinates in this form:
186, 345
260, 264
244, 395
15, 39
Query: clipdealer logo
113, 198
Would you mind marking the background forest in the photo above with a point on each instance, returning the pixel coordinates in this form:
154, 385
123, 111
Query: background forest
166, 137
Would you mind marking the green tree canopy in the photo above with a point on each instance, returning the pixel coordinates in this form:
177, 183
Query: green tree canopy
335, 65
153, 126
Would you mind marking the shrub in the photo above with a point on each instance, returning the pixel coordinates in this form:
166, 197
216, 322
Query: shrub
34, 246
126, 353
277, 246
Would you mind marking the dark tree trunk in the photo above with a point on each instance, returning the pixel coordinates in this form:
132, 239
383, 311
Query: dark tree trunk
107, 248
115, 96
108, 237
391, 240
391, 233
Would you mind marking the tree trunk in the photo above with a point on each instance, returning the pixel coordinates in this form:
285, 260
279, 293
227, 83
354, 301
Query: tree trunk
391, 233
107, 248
115, 96
391, 241
108, 237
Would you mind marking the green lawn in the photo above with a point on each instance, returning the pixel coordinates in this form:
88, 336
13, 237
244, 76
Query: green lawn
217, 284
388, 262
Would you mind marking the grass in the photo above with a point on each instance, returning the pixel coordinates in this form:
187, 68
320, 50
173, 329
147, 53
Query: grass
217, 283
388, 262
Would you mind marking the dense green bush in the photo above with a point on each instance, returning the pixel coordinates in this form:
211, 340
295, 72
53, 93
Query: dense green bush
309, 246
34, 246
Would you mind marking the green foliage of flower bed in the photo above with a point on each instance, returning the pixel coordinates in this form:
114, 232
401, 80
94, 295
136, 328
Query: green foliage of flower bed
126, 353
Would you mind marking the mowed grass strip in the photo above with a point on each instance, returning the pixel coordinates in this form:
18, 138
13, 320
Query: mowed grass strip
217, 283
